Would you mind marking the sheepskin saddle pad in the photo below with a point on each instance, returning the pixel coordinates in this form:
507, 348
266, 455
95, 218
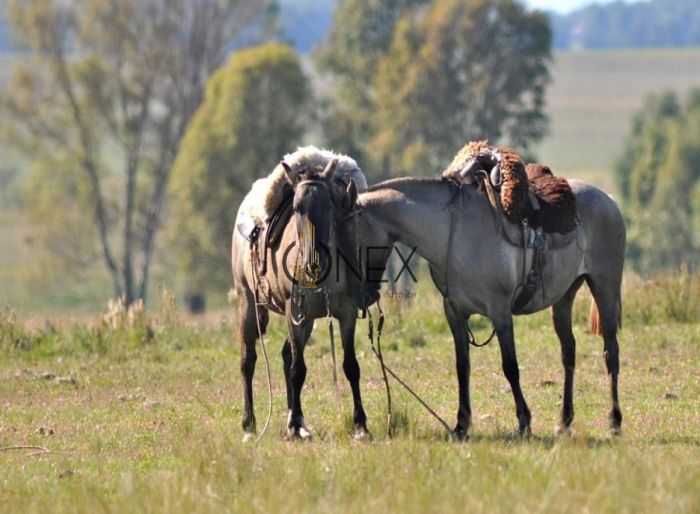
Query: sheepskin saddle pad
557, 203
267, 196
555, 207
505, 169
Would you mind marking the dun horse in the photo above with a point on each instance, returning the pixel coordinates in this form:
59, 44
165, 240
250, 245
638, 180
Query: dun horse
479, 272
300, 283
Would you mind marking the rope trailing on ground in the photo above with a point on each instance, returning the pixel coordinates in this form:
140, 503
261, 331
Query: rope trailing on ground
386, 369
378, 353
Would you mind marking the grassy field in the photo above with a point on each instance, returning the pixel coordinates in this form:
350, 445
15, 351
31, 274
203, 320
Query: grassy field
141, 414
592, 97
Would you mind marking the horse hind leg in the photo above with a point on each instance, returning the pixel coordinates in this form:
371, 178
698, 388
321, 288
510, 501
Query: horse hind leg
561, 317
248, 334
607, 298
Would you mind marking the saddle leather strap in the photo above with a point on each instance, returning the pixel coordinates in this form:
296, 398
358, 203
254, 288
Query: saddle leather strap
279, 213
533, 279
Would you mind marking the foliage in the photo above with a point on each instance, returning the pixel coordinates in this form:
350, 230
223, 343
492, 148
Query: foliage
416, 79
654, 23
360, 35
659, 179
461, 71
102, 101
253, 113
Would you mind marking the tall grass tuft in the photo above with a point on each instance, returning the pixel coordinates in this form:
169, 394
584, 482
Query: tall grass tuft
667, 297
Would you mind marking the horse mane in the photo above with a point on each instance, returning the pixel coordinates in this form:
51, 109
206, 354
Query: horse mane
395, 183
268, 192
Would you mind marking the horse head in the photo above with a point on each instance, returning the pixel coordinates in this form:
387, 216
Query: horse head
321, 201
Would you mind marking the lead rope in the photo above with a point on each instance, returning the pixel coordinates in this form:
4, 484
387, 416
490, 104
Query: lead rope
256, 299
386, 369
378, 353
326, 294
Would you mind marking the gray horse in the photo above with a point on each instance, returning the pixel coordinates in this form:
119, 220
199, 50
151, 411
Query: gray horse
479, 272
324, 203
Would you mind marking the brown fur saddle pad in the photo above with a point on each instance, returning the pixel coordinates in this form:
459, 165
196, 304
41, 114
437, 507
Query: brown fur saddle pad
555, 210
557, 203
505, 169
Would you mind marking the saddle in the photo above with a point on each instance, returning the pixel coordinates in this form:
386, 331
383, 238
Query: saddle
543, 205
526, 193
269, 234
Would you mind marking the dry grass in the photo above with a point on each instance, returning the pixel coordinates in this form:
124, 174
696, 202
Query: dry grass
150, 423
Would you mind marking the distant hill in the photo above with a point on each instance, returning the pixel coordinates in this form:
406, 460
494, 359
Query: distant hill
642, 24
652, 23
5, 38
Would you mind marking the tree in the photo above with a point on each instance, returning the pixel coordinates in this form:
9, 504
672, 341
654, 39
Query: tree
103, 106
659, 179
460, 71
361, 34
253, 113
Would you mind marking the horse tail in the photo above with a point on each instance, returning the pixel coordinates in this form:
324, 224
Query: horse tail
594, 325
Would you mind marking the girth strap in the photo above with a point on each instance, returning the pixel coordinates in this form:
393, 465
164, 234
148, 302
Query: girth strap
533, 279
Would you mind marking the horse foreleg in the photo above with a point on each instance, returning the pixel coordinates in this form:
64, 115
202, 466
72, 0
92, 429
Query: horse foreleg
352, 372
458, 326
561, 317
509, 361
298, 336
287, 366
248, 333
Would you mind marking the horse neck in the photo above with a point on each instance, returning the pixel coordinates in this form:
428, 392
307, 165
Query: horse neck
414, 212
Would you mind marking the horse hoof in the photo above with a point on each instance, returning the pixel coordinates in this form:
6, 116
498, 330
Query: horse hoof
362, 435
248, 437
298, 434
524, 433
564, 430
304, 434
616, 431
459, 436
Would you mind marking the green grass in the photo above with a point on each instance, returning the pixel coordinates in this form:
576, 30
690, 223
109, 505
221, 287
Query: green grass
151, 421
591, 100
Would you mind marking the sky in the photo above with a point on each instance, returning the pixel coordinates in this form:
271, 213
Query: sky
562, 6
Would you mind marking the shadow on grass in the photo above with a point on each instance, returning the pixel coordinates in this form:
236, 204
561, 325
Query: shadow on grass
680, 439
513, 439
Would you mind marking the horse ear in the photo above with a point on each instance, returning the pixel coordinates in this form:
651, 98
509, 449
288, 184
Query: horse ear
352, 192
292, 174
330, 167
